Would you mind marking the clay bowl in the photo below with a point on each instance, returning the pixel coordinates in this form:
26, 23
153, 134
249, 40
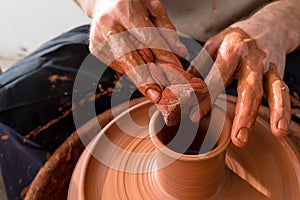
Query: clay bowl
186, 168
124, 162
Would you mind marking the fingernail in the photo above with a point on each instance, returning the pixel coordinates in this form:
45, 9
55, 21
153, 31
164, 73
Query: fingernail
194, 115
153, 95
283, 124
242, 135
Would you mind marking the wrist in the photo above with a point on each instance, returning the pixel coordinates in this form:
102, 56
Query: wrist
292, 13
287, 15
277, 23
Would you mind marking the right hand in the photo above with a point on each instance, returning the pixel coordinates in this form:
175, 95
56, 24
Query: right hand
127, 51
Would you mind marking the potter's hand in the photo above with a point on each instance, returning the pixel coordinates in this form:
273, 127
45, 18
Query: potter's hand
253, 51
125, 51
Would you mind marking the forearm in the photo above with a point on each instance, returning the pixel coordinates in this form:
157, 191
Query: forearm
293, 9
287, 13
281, 19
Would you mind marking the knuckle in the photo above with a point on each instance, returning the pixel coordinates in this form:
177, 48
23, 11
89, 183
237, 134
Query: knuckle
242, 48
156, 4
103, 19
109, 34
209, 44
119, 5
158, 10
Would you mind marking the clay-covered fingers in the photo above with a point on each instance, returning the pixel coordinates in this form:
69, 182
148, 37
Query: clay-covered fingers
237, 56
279, 101
250, 92
102, 52
144, 52
202, 63
99, 47
134, 41
129, 60
137, 20
159, 17
228, 57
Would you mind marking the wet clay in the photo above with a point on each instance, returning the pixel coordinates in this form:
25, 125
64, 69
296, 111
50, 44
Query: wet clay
267, 168
52, 180
262, 28
237, 55
190, 175
181, 91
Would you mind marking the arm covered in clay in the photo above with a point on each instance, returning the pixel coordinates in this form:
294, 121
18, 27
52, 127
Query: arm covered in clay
253, 51
129, 35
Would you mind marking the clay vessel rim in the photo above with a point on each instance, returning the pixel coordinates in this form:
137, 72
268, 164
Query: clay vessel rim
93, 144
223, 142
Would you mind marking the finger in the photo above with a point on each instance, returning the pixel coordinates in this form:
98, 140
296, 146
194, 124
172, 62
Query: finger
103, 53
216, 81
222, 71
101, 50
98, 47
158, 46
141, 27
279, 102
159, 75
220, 75
144, 52
160, 19
203, 62
130, 61
198, 112
250, 92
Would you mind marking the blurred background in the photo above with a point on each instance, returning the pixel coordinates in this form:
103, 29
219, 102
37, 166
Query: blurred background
26, 24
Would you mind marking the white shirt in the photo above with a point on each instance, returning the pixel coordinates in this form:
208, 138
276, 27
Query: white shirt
201, 19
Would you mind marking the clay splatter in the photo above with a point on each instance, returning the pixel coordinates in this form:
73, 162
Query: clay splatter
5, 137
57, 77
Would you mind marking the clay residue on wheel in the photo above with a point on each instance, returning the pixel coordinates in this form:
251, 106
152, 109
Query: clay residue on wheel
248, 174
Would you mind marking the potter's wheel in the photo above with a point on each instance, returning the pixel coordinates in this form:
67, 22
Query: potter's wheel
267, 168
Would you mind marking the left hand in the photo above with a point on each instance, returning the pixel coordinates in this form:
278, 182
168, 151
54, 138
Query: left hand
133, 37
252, 51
